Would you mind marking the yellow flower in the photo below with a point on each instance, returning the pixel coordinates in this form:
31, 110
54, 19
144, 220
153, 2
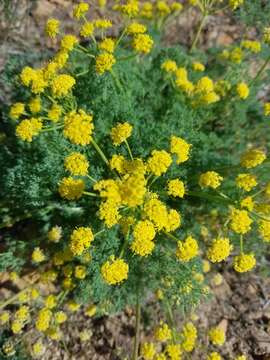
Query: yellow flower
156, 211
142, 43
181, 148
108, 212
159, 162
169, 66
73, 306
144, 233
176, 188
241, 357
27, 75
91, 310
114, 271
76, 164
55, 234
16, 110
174, 351
190, 335
55, 112
4, 317
264, 230
80, 10
107, 44
104, 62
246, 181
60, 317
196, 66
50, 302
16, 326
163, 332
78, 127
38, 255
71, 189
163, 8
173, 221
217, 336
206, 266
240, 221
244, 262
205, 85
62, 84
148, 351
117, 163
219, 250
52, 28
187, 249
234, 4
80, 239
43, 319
266, 35
120, 133
29, 128
214, 356
146, 10
175, 6
136, 28
253, 46
267, 109
247, 203
87, 29
252, 158
38, 348
35, 105
103, 23
80, 272
210, 179
242, 90
68, 42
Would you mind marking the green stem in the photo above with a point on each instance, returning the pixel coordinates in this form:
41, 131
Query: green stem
100, 152
207, 196
170, 318
124, 245
241, 244
129, 150
137, 330
127, 57
260, 71
121, 37
116, 81
92, 179
90, 194
99, 232
196, 38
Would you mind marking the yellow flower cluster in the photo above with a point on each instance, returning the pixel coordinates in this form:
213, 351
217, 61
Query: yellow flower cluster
78, 127
163, 332
43, 319
240, 221
120, 133
253, 46
16, 110
159, 162
181, 148
189, 335
71, 189
210, 179
38, 255
187, 249
144, 233
217, 336
80, 240
176, 188
242, 90
246, 181
220, 249
213, 356
80, 10
148, 351
244, 262
252, 158
76, 164
142, 43
169, 66
114, 271
62, 84
234, 4
264, 230
104, 62
29, 128
52, 28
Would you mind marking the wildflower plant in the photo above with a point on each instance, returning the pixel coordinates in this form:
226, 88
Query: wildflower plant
119, 150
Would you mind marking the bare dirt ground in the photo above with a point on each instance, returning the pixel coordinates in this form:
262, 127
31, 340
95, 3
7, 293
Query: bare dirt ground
241, 304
